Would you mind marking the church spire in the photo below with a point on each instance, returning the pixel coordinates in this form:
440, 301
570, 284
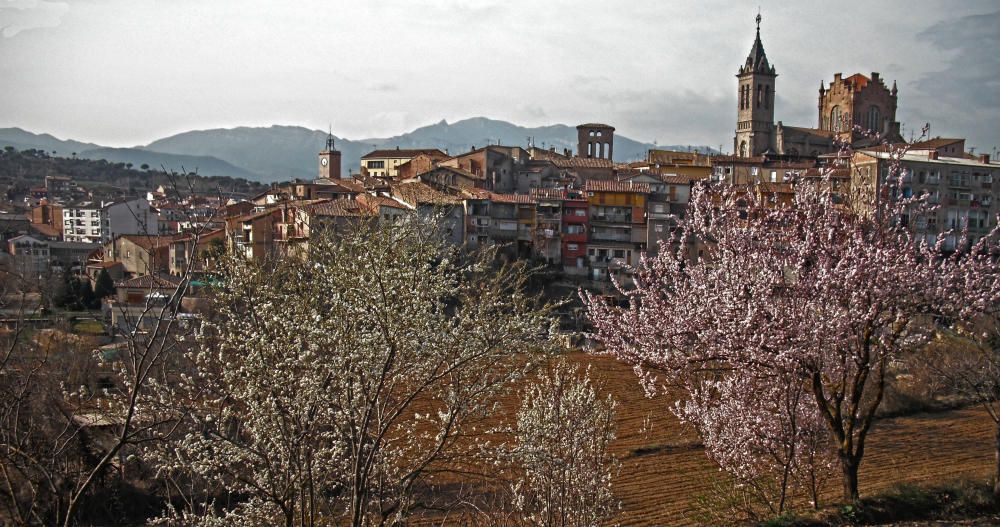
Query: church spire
757, 60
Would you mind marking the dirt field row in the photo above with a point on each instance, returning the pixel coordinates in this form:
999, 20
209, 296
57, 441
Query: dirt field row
664, 468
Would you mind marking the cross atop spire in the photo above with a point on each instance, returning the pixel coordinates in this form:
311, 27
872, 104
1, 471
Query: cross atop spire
757, 60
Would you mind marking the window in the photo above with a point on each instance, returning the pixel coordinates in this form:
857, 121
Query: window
658, 227
835, 117
874, 120
619, 253
580, 212
774, 176
572, 247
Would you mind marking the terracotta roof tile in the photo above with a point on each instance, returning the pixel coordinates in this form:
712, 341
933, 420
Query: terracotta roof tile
340, 208
616, 186
150, 282
512, 198
548, 193
416, 193
396, 153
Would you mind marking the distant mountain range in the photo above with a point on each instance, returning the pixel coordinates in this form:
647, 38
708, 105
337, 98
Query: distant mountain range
278, 153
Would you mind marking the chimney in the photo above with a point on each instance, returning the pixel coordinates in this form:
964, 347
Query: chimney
836, 77
874, 76
932, 155
552, 149
984, 159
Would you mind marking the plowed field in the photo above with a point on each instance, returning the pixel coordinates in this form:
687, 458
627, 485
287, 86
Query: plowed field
664, 467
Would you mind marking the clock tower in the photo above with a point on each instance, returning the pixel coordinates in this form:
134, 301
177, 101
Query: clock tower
329, 160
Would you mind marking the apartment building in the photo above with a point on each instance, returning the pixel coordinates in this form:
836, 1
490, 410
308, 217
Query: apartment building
385, 163
617, 217
83, 222
964, 189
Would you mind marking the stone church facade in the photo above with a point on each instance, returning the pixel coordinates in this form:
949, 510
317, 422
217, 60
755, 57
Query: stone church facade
848, 103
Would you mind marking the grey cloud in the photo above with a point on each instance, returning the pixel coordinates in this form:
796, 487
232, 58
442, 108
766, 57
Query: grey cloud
384, 87
966, 90
23, 15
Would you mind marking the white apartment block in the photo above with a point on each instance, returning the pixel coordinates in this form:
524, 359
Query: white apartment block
83, 222
90, 222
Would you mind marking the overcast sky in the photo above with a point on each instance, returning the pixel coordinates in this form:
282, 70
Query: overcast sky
125, 72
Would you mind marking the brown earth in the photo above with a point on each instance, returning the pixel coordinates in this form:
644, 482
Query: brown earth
664, 467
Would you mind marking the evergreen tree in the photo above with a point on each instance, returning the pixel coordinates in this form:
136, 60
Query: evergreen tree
104, 287
85, 295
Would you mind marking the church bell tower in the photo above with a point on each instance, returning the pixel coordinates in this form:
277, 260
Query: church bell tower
329, 160
755, 115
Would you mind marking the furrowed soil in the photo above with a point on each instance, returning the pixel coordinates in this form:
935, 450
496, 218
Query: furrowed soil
664, 468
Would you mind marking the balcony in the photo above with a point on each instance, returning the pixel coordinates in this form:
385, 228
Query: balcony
611, 237
611, 218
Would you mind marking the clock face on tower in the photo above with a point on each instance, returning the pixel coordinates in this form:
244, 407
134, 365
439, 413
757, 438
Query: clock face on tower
323, 161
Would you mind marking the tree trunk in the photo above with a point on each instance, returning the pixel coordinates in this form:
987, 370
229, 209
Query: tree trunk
849, 465
996, 475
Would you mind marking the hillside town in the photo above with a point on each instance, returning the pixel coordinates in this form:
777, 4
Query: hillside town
230, 321
579, 212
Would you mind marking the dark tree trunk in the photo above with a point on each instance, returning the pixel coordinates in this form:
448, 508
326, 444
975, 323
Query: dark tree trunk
849, 465
996, 475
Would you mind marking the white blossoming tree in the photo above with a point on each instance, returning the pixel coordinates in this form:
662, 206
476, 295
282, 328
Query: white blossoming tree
564, 431
348, 387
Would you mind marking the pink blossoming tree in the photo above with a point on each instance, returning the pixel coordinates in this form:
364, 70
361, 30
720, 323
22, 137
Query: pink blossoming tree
814, 297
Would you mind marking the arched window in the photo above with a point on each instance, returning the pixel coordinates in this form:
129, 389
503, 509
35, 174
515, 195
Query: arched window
767, 96
835, 119
760, 94
874, 120
607, 150
597, 151
591, 133
743, 148
590, 149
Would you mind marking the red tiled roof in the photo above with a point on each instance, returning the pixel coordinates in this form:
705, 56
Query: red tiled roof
737, 159
616, 186
149, 282
937, 142
149, 242
379, 201
458, 170
582, 162
416, 193
680, 179
340, 208
396, 153
548, 193
512, 198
